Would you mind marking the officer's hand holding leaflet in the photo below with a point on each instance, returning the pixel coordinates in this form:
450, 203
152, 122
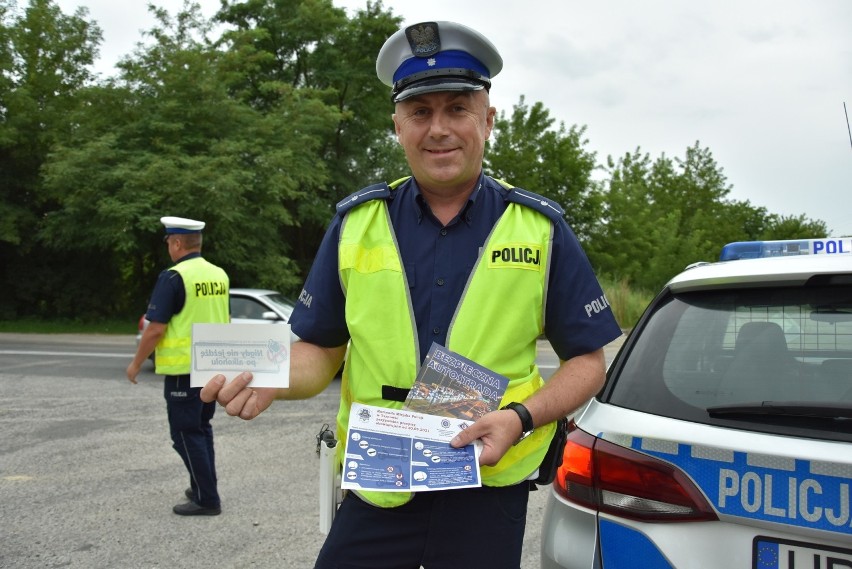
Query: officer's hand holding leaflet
312, 368
576, 380
236, 397
497, 430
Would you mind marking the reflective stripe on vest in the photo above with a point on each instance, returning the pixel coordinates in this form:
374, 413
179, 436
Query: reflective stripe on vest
508, 284
206, 287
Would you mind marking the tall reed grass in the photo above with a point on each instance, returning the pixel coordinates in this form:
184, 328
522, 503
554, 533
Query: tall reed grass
627, 303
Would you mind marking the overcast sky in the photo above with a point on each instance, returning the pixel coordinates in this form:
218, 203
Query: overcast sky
761, 83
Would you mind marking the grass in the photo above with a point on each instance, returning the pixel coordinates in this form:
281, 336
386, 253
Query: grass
627, 304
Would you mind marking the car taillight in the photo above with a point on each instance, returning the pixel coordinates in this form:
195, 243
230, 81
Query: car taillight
620, 481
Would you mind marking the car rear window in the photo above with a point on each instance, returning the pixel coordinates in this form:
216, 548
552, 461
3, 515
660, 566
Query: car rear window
703, 350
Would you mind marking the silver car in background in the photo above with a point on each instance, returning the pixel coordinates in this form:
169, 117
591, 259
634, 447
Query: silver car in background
250, 305
723, 435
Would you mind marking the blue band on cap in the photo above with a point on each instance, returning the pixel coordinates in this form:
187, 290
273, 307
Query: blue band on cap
450, 59
171, 230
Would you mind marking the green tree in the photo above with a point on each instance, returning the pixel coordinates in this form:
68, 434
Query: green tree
661, 216
528, 151
625, 246
168, 138
793, 227
45, 57
751, 221
259, 132
311, 46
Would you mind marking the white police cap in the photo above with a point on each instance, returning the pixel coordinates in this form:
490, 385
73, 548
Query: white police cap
181, 225
437, 56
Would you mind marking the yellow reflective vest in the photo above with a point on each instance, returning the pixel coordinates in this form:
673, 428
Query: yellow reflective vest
496, 324
206, 287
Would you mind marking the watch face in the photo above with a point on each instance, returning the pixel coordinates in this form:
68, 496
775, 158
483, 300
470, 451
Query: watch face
524, 435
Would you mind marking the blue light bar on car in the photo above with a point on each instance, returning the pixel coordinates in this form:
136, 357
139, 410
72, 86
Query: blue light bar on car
760, 249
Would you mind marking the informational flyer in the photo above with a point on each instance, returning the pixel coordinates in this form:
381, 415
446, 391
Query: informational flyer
451, 385
231, 349
393, 450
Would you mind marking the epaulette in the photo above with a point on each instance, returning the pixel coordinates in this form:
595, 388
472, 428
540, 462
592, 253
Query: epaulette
375, 192
380, 191
541, 204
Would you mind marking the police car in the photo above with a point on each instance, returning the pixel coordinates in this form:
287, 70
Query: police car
723, 435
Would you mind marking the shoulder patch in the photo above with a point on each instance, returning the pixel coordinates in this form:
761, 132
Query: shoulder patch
549, 208
375, 192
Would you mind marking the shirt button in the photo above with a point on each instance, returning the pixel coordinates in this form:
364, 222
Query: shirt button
443, 232
440, 282
436, 331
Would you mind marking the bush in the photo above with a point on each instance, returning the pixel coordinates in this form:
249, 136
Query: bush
627, 304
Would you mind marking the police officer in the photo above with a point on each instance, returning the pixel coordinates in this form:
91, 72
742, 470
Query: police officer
193, 290
453, 256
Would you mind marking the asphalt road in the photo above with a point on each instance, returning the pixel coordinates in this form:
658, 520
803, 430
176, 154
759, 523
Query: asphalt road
88, 476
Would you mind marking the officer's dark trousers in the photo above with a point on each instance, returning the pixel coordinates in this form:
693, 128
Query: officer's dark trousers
192, 436
447, 529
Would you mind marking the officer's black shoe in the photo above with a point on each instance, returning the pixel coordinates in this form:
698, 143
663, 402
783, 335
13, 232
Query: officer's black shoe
193, 509
189, 494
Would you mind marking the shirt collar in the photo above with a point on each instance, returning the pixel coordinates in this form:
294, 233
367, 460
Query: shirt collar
188, 257
420, 206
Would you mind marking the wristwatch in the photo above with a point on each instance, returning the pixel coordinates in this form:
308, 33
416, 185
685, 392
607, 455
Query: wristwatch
526, 419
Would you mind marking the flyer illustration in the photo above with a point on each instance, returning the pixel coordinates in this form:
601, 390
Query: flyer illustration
451, 385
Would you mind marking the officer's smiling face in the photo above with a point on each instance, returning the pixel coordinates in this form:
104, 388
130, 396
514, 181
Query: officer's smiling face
443, 135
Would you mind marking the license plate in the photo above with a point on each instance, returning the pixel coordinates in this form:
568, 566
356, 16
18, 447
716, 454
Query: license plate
784, 554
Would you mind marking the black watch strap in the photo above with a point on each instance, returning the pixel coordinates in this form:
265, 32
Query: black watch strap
526, 419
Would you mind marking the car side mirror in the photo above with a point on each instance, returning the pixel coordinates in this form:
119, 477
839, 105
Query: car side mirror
270, 315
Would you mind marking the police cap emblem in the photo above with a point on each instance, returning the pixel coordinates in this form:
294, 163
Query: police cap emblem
424, 39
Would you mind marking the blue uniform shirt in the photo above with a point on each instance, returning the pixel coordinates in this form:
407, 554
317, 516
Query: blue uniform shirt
169, 294
438, 260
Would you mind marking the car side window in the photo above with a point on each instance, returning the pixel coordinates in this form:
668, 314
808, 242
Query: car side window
246, 308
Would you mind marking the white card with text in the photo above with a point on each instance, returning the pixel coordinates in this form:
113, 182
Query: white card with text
230, 349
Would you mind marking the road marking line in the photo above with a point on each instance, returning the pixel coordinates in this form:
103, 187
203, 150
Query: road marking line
86, 354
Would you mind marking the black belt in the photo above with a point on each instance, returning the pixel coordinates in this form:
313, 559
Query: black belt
391, 393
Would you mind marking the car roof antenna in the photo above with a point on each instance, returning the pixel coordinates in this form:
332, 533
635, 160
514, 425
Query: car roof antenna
847, 123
